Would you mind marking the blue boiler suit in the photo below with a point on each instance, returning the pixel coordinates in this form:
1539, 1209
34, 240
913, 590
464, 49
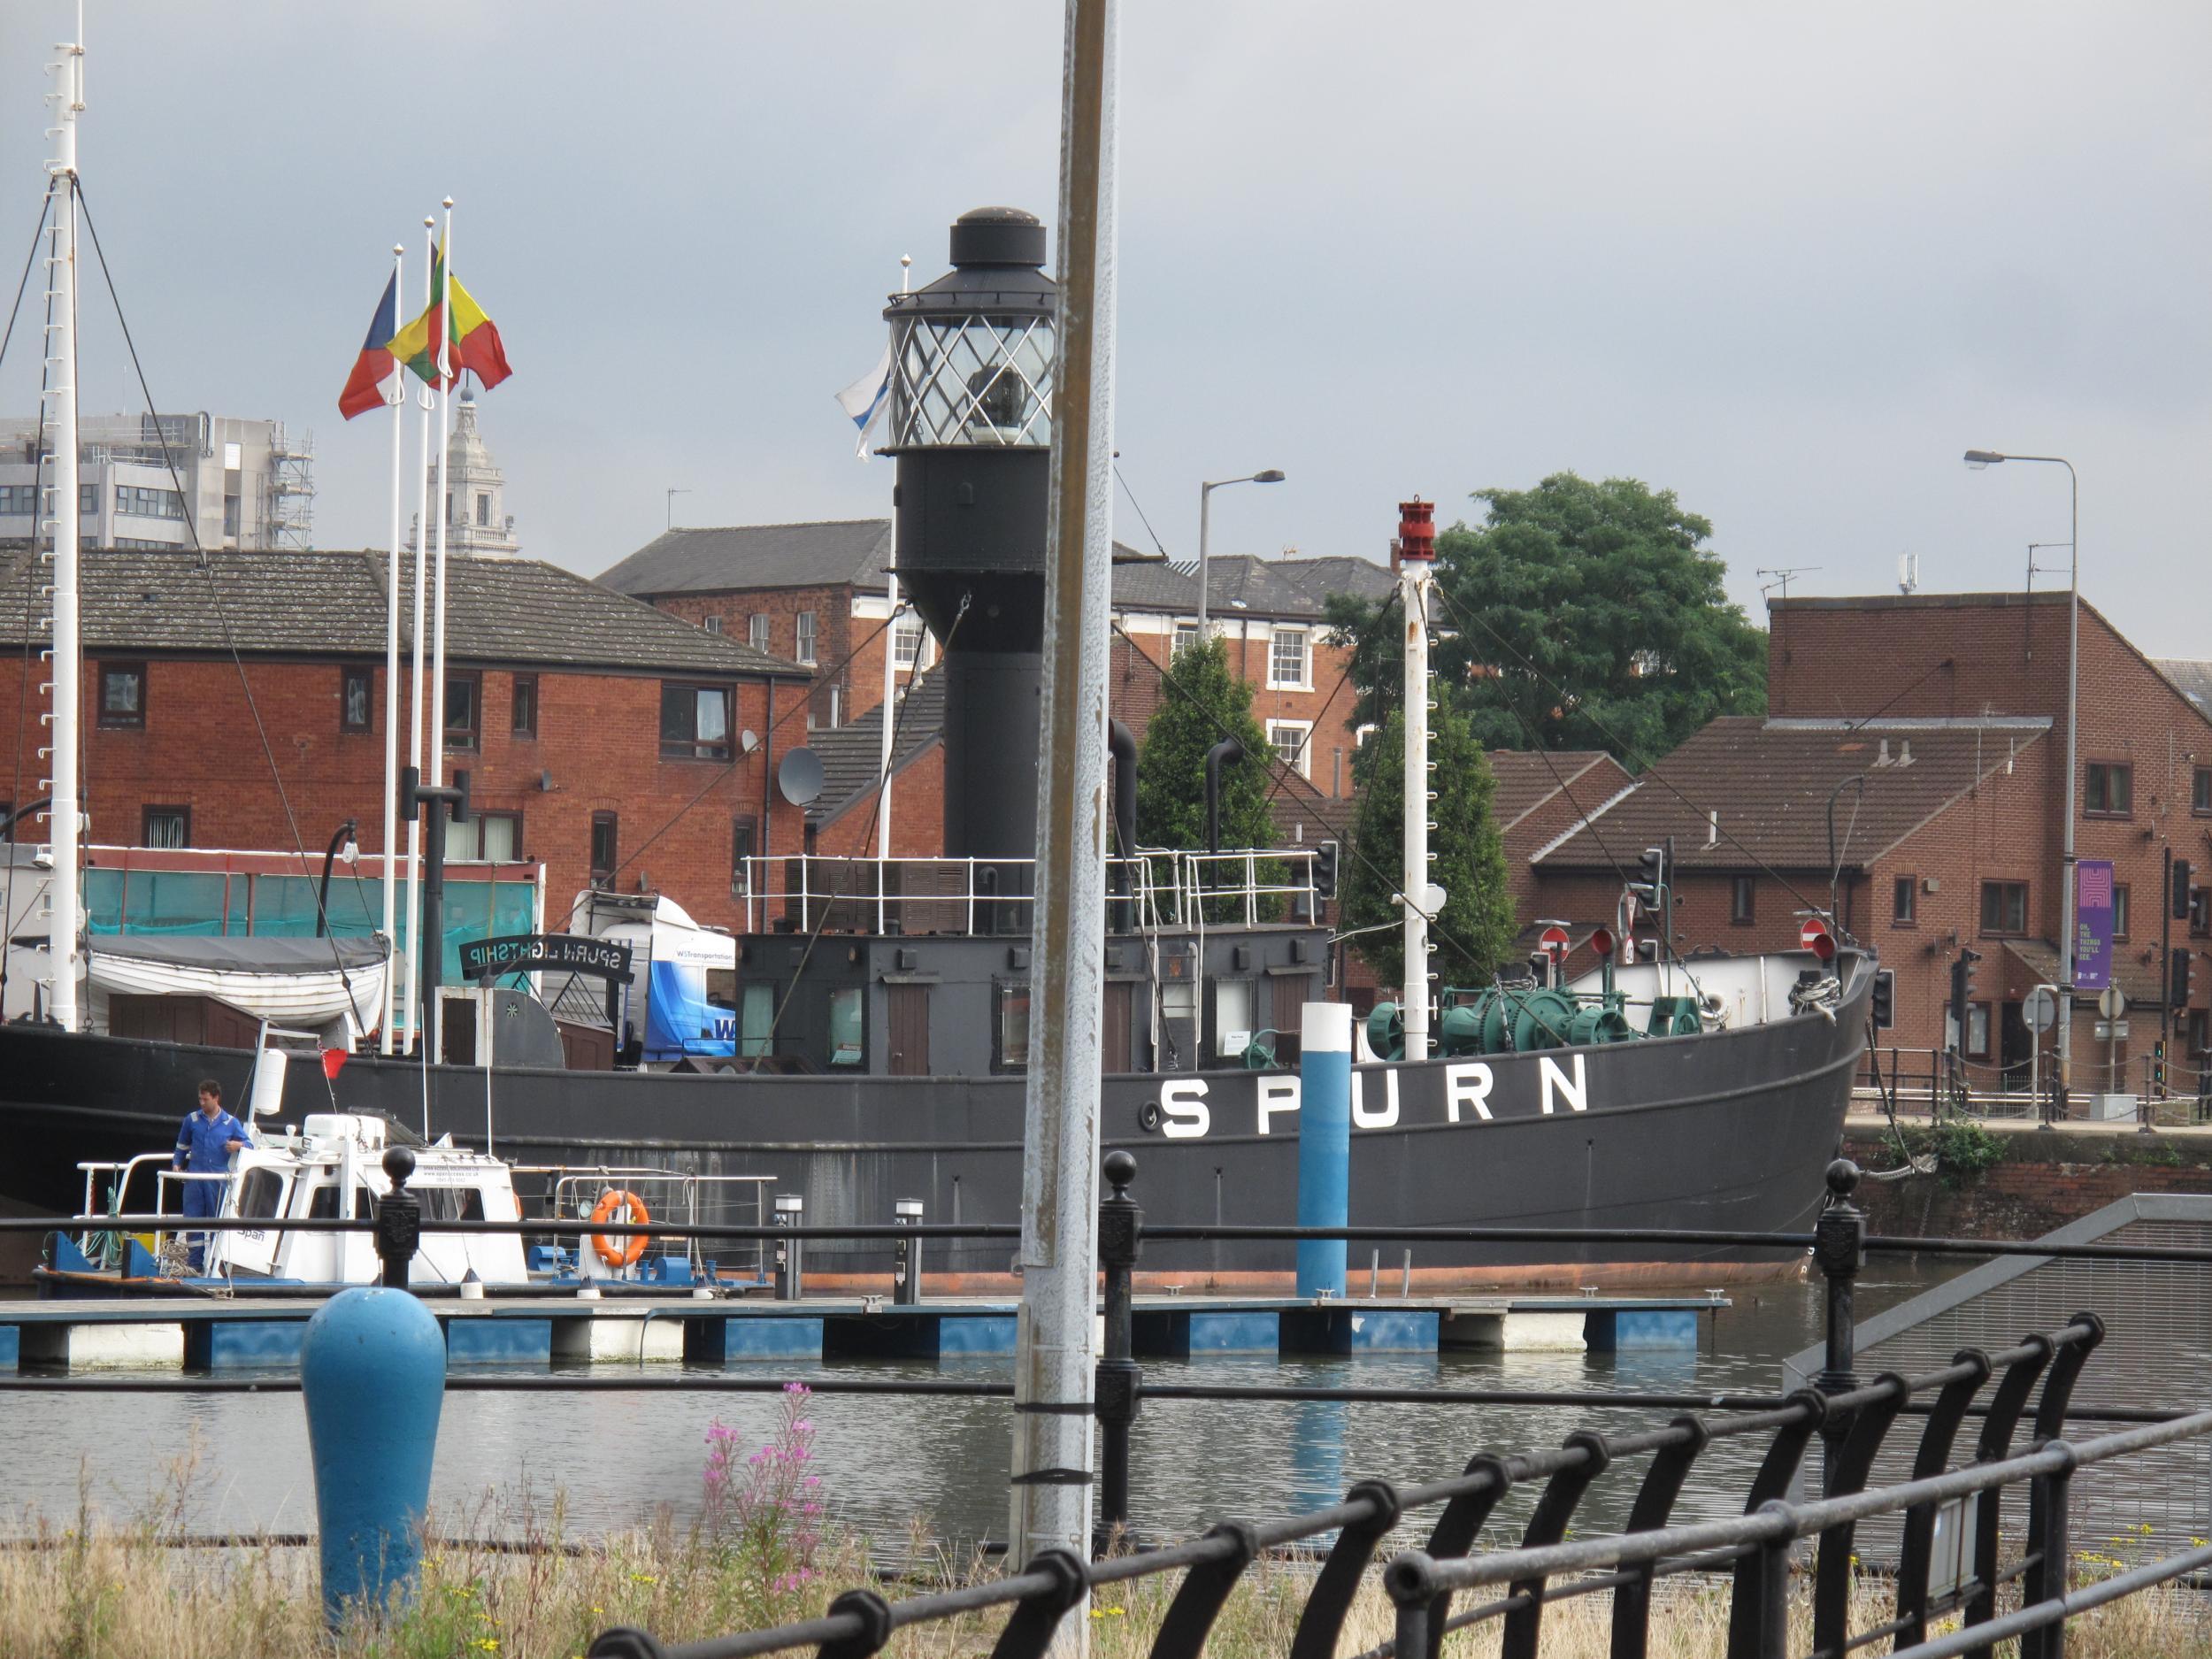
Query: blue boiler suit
203, 1149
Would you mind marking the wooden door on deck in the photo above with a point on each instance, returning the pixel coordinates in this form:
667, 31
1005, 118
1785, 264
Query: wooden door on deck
910, 1030
1114, 1032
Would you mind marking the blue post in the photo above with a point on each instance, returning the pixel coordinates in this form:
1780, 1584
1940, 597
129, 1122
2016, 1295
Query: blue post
1325, 1142
372, 1371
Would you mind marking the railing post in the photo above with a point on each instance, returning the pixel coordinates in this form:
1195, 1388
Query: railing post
1120, 1379
790, 1276
1840, 1251
906, 1268
398, 1220
2050, 1547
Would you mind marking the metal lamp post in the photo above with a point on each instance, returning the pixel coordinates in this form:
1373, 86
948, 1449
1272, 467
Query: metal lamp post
343, 840
1978, 459
1272, 475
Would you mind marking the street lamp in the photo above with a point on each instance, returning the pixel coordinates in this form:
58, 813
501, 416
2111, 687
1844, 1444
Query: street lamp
1273, 475
1978, 460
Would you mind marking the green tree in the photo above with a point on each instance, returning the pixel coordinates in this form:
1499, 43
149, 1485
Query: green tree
1591, 616
1202, 703
1475, 929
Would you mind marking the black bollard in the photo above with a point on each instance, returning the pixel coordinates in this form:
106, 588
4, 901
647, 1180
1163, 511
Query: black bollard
1120, 1379
398, 1220
906, 1262
1840, 1251
790, 1273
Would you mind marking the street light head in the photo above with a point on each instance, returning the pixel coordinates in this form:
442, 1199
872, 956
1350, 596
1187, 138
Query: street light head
1273, 475
1979, 458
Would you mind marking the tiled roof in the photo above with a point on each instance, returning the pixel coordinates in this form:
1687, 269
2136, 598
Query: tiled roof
729, 557
1239, 583
2193, 680
497, 610
852, 756
1526, 779
1770, 780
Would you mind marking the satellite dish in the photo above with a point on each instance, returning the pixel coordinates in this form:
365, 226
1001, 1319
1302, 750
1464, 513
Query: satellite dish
748, 740
799, 776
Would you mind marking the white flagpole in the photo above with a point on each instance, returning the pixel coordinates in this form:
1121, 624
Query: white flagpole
65, 817
890, 664
415, 707
438, 505
391, 677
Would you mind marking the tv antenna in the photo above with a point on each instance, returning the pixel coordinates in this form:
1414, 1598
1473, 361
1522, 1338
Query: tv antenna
1908, 572
2033, 568
1782, 578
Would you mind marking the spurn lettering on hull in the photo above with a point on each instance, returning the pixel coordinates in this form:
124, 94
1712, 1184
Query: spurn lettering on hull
1188, 1104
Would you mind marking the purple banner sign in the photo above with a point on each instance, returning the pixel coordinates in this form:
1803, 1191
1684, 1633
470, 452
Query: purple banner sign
2093, 924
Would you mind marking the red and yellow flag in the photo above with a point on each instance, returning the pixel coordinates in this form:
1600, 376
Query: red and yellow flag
472, 338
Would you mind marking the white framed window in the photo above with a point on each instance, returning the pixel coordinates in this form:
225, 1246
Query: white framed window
805, 652
1286, 660
712, 624
907, 634
758, 635
1289, 739
1185, 634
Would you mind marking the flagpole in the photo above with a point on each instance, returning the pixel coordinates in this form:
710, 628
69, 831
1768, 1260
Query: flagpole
890, 662
415, 711
391, 679
436, 1013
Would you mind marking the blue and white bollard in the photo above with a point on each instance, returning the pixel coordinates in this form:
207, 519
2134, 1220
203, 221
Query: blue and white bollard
1325, 1142
372, 1371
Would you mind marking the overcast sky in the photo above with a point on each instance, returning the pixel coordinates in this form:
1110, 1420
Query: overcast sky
1786, 261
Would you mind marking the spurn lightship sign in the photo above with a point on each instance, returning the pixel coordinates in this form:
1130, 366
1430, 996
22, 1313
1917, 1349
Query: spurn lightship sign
530, 953
1383, 1097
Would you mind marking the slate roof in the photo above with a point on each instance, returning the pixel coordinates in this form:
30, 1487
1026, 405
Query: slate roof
852, 756
1240, 583
1771, 781
2191, 679
1525, 780
748, 557
332, 603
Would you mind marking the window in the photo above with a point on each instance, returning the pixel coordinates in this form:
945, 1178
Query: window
756, 1019
1232, 1017
712, 624
695, 722
1288, 738
449, 507
2200, 792
2004, 906
495, 836
2119, 910
19, 501
1978, 1030
525, 710
1012, 1033
356, 700
1185, 635
89, 500
906, 642
463, 700
123, 694
805, 647
132, 501
166, 826
483, 508
846, 1007
1286, 659
603, 845
261, 1194
2200, 1030
2201, 911
230, 516
741, 832
2111, 791
758, 633
1904, 903
1743, 893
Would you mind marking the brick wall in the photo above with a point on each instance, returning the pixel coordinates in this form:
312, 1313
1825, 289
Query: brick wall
2042, 1182
597, 742
918, 814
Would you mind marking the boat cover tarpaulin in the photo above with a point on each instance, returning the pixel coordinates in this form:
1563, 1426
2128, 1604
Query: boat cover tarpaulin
298, 981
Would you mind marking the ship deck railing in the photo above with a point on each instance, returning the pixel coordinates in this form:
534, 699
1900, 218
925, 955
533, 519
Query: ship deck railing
649, 1185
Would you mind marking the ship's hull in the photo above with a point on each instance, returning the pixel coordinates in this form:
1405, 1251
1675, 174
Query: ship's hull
1728, 1129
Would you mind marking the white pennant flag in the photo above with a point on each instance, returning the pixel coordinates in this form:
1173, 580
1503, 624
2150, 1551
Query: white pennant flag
863, 400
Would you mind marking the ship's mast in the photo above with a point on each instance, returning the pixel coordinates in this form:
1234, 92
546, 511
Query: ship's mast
1417, 561
62, 815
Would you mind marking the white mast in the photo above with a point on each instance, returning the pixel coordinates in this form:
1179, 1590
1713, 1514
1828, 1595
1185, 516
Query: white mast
63, 816
1417, 556
890, 664
416, 713
438, 506
391, 676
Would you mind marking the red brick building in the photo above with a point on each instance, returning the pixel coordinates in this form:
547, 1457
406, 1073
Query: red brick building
603, 739
1937, 723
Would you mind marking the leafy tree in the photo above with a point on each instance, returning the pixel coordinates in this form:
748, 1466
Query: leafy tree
1201, 705
1579, 615
1474, 930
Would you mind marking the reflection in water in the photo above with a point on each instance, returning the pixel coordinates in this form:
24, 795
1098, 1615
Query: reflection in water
887, 1461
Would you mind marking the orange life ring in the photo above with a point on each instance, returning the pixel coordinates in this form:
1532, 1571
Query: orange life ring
620, 1252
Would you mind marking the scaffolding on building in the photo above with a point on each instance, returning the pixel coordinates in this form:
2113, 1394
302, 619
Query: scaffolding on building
288, 513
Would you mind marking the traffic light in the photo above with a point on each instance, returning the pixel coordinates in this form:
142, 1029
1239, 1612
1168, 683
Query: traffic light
1963, 990
1324, 869
2178, 987
2178, 903
1651, 875
1884, 998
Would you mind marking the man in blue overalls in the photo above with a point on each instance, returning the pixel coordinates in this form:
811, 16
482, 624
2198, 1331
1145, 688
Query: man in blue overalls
205, 1144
